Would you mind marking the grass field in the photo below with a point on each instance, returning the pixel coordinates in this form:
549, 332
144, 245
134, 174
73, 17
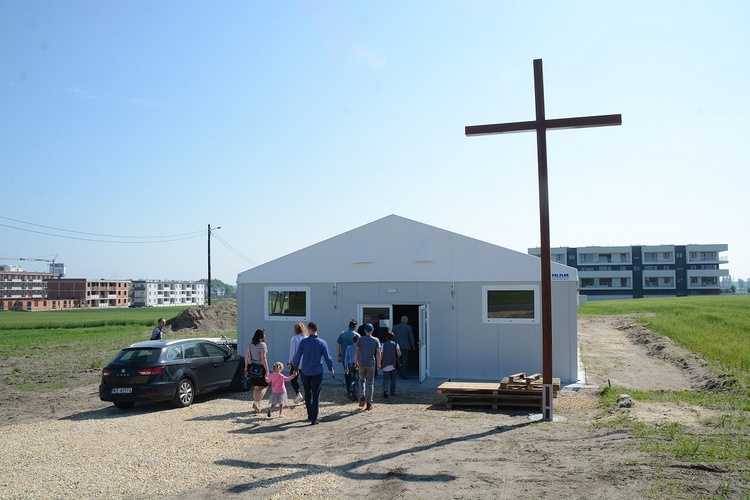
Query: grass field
21, 332
717, 328
49, 350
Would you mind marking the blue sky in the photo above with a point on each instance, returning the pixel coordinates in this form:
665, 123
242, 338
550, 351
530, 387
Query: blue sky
129, 126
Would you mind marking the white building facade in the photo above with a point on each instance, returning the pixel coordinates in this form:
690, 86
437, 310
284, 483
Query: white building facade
157, 293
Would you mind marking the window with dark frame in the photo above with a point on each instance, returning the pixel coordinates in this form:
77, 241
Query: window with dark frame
287, 303
509, 304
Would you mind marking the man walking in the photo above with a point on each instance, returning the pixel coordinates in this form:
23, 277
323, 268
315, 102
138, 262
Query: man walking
361, 331
367, 355
344, 341
405, 340
156, 334
310, 352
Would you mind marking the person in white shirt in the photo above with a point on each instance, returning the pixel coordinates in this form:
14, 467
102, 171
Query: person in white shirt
300, 332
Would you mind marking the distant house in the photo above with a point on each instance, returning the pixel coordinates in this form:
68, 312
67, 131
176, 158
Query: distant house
627, 272
474, 307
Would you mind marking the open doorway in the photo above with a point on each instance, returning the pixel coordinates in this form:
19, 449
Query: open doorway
411, 311
385, 316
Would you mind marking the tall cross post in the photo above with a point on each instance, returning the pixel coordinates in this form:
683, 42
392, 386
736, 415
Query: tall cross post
540, 125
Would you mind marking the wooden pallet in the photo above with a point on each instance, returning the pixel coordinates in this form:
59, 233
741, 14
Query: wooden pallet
520, 381
516, 390
494, 402
469, 387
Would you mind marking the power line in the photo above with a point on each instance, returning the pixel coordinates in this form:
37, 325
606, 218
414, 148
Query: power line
94, 234
105, 241
153, 239
233, 250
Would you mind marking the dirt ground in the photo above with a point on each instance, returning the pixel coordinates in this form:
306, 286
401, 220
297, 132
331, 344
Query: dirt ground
412, 447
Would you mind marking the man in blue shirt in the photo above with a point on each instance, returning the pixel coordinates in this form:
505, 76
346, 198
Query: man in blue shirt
308, 358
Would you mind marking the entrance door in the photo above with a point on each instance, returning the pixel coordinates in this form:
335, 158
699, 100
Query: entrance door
424, 315
411, 311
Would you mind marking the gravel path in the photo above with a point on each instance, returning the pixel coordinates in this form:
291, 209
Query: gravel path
210, 448
151, 449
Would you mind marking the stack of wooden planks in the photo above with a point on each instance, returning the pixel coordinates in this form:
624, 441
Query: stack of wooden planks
514, 390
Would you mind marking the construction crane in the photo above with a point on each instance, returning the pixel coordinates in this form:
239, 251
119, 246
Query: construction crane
52, 260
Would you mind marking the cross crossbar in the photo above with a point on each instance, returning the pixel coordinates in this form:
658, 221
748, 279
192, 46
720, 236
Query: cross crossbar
558, 123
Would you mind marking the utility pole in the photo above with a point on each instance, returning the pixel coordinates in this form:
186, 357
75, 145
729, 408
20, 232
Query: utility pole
209, 263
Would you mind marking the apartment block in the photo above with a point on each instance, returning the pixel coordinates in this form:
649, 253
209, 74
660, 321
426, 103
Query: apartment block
153, 293
22, 290
624, 272
85, 293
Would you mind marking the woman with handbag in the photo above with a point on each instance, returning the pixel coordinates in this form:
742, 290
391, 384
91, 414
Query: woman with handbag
256, 357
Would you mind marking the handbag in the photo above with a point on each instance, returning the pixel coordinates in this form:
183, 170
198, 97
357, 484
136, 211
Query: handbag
246, 383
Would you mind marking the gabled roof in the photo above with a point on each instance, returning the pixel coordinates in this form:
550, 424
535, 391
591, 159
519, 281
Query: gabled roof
398, 249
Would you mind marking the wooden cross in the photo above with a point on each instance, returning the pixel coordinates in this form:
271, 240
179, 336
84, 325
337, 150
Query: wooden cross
540, 125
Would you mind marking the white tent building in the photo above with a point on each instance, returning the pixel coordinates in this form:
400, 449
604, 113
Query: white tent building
475, 308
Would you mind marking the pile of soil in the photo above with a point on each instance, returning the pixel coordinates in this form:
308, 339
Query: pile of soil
218, 317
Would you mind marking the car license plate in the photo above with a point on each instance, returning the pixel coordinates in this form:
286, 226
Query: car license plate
122, 390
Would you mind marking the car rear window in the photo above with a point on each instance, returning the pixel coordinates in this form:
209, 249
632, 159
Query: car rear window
137, 356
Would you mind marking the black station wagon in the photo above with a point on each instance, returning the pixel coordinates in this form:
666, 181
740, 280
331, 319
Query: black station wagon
176, 370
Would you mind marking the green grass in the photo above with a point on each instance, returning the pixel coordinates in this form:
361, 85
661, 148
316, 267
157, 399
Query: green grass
85, 318
50, 350
717, 328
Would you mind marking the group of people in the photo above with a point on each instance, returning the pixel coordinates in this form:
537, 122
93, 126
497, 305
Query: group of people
361, 354
306, 350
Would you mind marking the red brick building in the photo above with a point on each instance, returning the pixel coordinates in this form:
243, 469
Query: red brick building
86, 293
36, 291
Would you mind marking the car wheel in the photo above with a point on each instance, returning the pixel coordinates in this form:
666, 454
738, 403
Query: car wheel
124, 405
185, 393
